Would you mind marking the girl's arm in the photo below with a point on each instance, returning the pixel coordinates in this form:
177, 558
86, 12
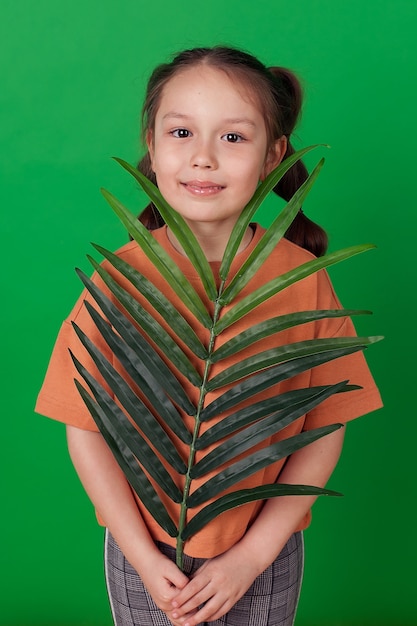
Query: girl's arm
221, 581
112, 496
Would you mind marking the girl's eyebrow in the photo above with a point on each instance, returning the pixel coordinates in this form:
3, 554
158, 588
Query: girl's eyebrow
175, 115
231, 120
240, 120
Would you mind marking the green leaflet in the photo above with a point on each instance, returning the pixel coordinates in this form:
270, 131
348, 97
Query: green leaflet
268, 358
160, 259
276, 325
157, 299
151, 327
149, 360
151, 389
263, 429
282, 282
249, 387
243, 496
128, 464
269, 240
249, 211
180, 229
254, 462
132, 404
277, 405
129, 436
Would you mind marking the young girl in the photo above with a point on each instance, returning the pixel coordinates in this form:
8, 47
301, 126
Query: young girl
216, 122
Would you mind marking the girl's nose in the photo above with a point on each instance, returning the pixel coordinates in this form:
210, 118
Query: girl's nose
204, 156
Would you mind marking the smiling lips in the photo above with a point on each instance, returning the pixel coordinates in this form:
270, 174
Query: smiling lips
202, 188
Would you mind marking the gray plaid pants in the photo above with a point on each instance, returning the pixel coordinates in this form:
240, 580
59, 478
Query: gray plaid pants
270, 601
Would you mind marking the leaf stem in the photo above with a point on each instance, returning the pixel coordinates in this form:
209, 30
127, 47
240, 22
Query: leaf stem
191, 458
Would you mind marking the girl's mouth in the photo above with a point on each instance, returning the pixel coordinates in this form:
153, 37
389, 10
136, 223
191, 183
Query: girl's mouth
202, 188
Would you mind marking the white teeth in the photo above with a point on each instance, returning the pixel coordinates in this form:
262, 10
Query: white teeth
202, 189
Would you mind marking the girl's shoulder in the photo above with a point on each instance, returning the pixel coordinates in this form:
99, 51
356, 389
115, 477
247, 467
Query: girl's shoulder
128, 250
292, 250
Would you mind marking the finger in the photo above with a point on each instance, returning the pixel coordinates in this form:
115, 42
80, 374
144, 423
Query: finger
177, 578
180, 621
165, 593
208, 613
188, 593
199, 599
193, 604
207, 602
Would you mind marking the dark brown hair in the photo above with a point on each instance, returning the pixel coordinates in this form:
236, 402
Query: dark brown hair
279, 96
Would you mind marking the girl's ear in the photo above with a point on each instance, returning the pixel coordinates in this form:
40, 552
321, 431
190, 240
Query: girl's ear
275, 155
149, 143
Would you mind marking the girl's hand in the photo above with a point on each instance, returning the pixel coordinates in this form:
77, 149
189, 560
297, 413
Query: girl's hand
163, 579
217, 585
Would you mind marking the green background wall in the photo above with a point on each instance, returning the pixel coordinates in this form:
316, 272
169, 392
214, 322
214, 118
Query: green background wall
72, 79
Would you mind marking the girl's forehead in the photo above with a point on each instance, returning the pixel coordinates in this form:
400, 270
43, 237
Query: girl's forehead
208, 81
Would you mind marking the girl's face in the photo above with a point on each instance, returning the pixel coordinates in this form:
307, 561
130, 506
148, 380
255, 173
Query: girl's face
209, 147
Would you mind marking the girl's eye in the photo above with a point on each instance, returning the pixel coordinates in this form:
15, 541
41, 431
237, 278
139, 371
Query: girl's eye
232, 137
181, 133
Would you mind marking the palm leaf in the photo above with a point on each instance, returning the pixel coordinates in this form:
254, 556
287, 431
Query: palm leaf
151, 358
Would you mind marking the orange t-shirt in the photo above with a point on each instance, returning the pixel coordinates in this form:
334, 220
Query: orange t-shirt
60, 400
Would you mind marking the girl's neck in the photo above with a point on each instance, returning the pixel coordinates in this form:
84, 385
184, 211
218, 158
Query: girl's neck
213, 242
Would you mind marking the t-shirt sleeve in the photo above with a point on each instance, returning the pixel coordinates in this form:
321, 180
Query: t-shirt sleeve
341, 407
59, 398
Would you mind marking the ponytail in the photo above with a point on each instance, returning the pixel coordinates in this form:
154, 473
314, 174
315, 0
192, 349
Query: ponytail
303, 231
150, 216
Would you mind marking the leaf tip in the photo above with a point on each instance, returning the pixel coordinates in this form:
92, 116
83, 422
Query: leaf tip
376, 338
